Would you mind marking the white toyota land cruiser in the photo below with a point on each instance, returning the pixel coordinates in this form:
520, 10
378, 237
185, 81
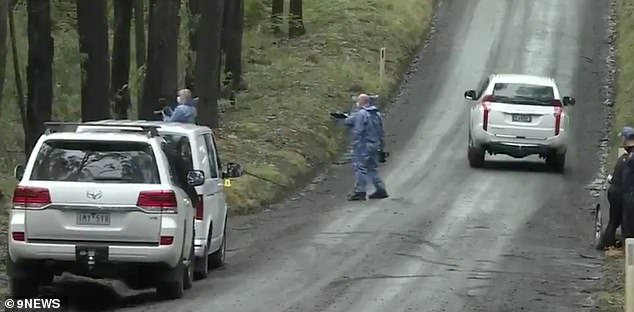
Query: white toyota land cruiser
196, 145
102, 204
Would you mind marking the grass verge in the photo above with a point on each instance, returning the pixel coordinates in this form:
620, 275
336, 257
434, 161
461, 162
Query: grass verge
610, 297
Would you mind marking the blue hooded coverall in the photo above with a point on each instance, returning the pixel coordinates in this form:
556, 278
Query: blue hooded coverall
366, 140
185, 112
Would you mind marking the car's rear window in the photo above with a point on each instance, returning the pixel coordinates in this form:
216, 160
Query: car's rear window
520, 93
96, 161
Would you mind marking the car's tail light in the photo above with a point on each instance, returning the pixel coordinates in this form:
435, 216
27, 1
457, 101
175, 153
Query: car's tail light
166, 240
30, 197
158, 201
18, 236
559, 109
200, 206
486, 107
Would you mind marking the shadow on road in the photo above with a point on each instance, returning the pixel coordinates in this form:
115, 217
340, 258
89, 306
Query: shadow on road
520, 166
94, 296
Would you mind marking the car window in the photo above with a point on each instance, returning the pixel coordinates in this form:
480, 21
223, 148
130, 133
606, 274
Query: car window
96, 161
213, 157
522, 93
181, 145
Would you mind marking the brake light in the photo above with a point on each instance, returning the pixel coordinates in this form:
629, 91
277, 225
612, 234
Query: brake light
486, 101
30, 197
559, 109
166, 240
18, 236
200, 208
158, 201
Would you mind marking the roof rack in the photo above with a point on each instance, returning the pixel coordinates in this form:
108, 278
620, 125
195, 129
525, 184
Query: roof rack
63, 126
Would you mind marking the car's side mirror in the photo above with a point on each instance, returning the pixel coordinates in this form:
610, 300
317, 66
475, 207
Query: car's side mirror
195, 177
233, 170
569, 101
470, 95
18, 172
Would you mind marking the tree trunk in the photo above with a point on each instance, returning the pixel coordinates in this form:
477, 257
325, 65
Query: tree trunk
92, 28
139, 36
39, 73
4, 14
19, 87
161, 74
207, 61
277, 10
296, 19
121, 58
232, 34
194, 19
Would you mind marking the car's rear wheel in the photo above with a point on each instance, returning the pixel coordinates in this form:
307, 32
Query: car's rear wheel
217, 259
202, 263
188, 278
23, 281
557, 162
476, 157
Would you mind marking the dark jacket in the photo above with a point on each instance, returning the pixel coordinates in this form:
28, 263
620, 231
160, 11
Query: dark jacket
617, 176
180, 169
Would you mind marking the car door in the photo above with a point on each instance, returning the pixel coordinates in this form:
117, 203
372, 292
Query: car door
214, 200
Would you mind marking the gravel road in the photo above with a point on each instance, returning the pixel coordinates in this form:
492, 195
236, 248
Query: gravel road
508, 237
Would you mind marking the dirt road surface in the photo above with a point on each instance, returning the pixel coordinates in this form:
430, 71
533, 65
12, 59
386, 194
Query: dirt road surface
509, 237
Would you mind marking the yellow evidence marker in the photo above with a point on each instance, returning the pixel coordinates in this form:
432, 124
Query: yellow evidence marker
227, 182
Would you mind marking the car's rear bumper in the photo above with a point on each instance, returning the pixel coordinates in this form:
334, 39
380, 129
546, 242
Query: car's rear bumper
68, 252
518, 147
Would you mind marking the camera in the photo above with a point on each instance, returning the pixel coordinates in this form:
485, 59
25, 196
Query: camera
383, 155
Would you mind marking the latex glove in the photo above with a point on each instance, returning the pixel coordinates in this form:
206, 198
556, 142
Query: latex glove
610, 178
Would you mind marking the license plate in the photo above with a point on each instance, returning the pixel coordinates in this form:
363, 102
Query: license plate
93, 218
522, 118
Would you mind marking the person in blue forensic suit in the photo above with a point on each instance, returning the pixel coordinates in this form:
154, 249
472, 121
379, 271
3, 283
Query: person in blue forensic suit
367, 139
185, 111
615, 195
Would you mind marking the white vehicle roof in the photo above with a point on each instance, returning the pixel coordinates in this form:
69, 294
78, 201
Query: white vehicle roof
98, 136
520, 78
178, 127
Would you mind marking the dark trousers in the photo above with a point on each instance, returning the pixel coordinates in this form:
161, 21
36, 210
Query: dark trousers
627, 223
616, 215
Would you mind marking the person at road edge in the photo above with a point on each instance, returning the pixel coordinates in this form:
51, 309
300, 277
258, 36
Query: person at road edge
627, 220
367, 139
615, 194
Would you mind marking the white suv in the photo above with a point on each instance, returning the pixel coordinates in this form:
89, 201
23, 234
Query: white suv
102, 204
197, 146
518, 115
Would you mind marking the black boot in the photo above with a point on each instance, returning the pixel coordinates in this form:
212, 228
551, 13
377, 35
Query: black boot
379, 194
357, 196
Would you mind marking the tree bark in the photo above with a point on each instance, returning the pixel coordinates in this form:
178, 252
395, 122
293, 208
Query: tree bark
296, 19
232, 36
208, 52
19, 88
121, 58
161, 74
277, 10
194, 19
92, 28
139, 37
39, 73
4, 51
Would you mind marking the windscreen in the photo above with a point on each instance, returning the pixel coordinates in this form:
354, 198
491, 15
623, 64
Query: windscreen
520, 93
96, 161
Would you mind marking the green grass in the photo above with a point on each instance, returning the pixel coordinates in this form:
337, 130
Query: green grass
610, 298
